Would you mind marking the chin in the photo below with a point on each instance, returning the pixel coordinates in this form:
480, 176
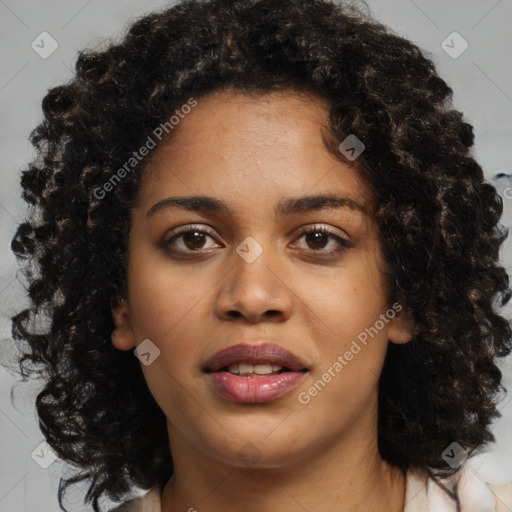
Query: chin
255, 448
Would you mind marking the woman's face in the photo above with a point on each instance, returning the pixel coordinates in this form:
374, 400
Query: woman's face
243, 272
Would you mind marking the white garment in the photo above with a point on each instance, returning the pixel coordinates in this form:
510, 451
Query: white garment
420, 494
424, 495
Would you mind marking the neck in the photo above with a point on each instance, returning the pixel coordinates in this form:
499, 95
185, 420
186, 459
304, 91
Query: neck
342, 478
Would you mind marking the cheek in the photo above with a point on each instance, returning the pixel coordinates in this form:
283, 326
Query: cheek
347, 329
164, 299
345, 302
164, 309
170, 307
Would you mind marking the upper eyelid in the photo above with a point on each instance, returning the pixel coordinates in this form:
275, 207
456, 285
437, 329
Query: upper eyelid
320, 226
190, 227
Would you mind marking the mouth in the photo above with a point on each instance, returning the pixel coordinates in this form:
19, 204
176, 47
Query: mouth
259, 359
254, 373
255, 369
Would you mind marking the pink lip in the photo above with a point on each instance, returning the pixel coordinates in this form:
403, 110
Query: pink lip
243, 389
254, 389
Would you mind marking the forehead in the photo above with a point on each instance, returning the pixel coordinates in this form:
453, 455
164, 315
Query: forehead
264, 145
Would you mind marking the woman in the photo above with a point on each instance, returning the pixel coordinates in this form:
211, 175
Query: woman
273, 206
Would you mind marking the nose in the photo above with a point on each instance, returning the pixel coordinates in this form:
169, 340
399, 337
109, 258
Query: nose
256, 291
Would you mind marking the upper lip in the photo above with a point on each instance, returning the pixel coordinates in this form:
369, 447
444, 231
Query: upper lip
254, 354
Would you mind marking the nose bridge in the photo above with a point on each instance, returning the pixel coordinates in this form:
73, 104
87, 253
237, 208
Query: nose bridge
254, 285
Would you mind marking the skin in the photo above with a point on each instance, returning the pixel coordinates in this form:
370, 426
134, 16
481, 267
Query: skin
319, 456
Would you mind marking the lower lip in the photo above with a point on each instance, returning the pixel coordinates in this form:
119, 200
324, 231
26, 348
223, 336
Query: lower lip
254, 389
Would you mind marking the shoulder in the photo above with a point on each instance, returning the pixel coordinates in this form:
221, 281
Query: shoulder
503, 495
149, 502
416, 491
416, 496
422, 492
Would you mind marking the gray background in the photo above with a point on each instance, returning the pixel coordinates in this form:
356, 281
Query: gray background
482, 81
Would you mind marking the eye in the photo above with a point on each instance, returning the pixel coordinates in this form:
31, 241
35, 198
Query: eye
193, 238
188, 238
317, 237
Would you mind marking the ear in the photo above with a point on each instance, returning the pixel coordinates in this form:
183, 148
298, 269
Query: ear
122, 335
401, 327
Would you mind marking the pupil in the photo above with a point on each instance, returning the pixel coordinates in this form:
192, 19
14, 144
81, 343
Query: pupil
317, 238
192, 238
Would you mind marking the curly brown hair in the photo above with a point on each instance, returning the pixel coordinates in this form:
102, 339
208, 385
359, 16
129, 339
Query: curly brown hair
438, 224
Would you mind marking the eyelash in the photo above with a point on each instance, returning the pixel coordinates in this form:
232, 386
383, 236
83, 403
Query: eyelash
343, 243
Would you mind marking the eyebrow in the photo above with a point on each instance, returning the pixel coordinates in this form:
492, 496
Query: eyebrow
287, 207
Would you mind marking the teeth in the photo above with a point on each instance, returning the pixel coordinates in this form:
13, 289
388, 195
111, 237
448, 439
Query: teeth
245, 369
263, 369
249, 369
